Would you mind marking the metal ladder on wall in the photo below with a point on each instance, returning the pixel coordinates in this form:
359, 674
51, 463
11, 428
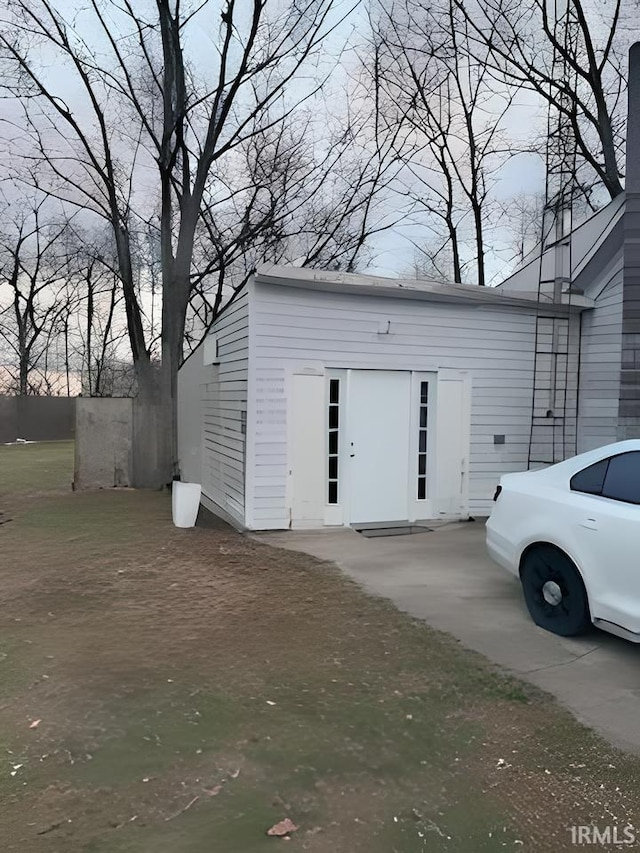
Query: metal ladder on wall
554, 416
555, 393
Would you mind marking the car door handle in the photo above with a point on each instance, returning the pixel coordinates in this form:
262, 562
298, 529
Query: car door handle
589, 522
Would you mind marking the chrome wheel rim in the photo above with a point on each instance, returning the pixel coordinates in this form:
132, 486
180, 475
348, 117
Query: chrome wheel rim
552, 593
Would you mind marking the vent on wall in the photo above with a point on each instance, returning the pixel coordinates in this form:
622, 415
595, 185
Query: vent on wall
210, 350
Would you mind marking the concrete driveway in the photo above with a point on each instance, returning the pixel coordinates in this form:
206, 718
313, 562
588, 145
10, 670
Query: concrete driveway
445, 578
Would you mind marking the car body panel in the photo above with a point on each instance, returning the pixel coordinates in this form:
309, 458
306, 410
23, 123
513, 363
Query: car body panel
599, 534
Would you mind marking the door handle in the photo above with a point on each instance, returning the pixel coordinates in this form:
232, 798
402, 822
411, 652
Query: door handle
589, 522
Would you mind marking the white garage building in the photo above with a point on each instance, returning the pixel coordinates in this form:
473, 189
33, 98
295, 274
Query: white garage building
323, 398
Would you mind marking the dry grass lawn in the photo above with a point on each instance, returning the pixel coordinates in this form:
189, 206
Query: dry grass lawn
168, 691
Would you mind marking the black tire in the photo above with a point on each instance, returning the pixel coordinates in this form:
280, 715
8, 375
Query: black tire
554, 592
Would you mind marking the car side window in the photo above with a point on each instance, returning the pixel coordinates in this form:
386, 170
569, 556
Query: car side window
622, 479
591, 479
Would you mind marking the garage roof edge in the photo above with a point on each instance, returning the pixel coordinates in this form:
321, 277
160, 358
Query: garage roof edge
433, 291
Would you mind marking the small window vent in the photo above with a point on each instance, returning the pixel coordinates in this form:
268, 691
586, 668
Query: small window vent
210, 347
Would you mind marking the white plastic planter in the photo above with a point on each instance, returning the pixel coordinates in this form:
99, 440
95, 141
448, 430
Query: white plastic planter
185, 501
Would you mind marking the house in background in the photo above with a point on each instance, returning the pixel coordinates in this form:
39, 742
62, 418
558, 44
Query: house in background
323, 398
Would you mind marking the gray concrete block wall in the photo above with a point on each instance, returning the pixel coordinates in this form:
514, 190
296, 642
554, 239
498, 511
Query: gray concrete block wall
104, 439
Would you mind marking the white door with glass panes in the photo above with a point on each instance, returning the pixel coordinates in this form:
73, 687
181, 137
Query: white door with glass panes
378, 443
381, 464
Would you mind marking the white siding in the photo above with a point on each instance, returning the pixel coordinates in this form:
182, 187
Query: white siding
224, 407
295, 328
190, 418
600, 367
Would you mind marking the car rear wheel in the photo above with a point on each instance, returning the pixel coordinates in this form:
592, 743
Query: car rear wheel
554, 592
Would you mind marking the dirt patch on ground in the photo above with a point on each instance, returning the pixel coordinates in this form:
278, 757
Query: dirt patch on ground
195, 687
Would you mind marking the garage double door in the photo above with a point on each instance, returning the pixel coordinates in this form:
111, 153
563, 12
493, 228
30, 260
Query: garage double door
377, 446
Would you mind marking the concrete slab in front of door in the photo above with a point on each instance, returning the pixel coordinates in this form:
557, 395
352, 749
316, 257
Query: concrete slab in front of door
445, 578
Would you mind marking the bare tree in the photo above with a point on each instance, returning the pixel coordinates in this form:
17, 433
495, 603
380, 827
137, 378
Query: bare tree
92, 316
33, 293
454, 139
523, 217
289, 202
103, 336
433, 259
519, 41
129, 62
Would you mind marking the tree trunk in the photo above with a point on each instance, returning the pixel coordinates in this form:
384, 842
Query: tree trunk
455, 248
66, 355
155, 440
611, 176
23, 386
477, 218
24, 377
89, 328
152, 465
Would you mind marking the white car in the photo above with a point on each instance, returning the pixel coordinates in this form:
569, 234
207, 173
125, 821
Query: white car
571, 533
